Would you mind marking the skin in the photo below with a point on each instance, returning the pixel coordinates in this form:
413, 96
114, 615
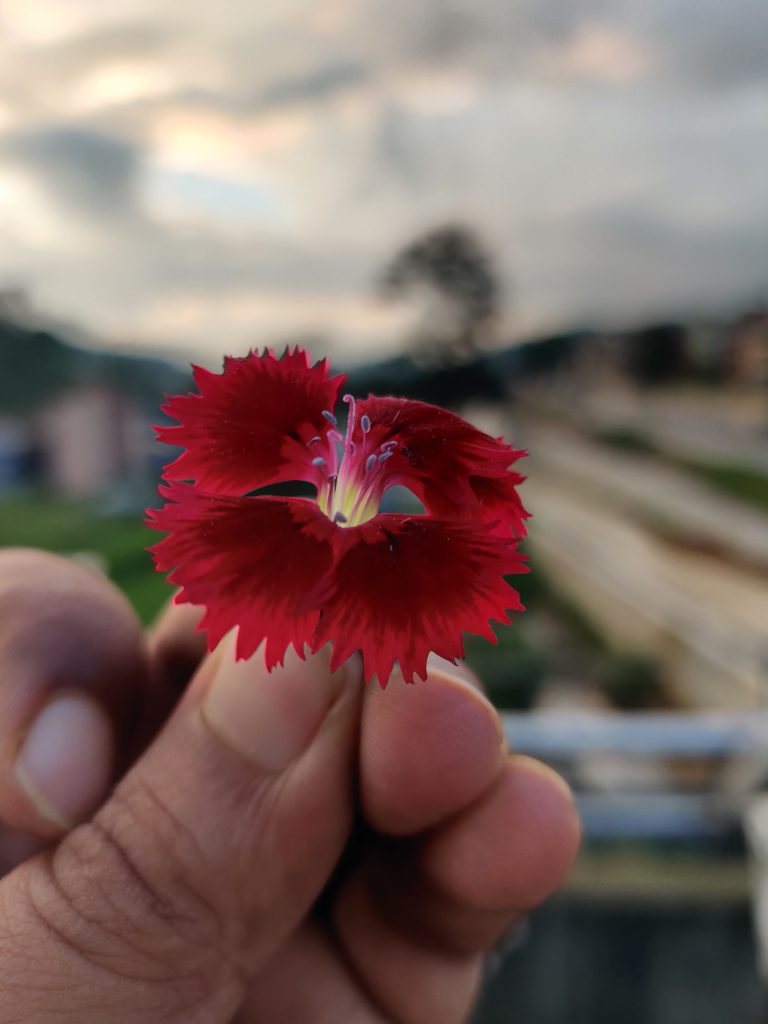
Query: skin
345, 853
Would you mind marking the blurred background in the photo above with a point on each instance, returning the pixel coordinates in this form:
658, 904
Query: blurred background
550, 217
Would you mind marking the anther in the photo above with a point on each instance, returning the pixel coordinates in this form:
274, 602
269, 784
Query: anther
385, 456
330, 417
314, 440
370, 462
340, 518
365, 423
318, 461
388, 446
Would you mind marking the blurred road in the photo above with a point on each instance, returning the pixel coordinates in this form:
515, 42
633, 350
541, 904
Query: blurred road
730, 429
646, 489
704, 617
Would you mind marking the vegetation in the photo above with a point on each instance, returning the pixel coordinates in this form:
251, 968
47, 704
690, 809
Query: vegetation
452, 262
116, 543
626, 440
37, 366
513, 671
632, 682
741, 482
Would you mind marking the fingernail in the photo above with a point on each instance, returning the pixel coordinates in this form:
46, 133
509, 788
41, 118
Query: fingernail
65, 762
543, 770
270, 718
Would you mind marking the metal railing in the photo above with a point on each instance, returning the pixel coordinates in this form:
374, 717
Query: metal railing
605, 757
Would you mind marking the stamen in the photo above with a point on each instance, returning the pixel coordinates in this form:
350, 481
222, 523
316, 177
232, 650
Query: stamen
351, 416
353, 481
314, 440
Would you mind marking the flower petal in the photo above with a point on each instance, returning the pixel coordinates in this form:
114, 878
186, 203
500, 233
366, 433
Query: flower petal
497, 501
454, 468
258, 563
408, 585
249, 425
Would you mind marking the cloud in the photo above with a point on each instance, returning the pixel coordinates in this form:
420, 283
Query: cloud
315, 85
493, 34
629, 263
93, 174
710, 43
190, 165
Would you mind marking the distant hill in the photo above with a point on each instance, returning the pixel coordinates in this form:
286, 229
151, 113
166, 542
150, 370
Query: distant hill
36, 365
490, 376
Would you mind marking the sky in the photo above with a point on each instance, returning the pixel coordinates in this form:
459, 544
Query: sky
199, 178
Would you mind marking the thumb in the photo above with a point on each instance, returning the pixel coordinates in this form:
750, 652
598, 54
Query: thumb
208, 854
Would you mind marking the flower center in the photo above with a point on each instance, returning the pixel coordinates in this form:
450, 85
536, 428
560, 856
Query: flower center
353, 471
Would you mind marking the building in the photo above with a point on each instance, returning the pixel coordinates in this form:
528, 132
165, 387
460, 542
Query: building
90, 439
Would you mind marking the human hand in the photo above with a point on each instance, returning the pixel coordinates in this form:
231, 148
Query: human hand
290, 847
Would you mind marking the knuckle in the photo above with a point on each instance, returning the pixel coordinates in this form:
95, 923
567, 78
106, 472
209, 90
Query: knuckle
126, 897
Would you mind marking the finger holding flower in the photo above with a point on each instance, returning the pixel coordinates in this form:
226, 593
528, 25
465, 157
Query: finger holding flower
290, 845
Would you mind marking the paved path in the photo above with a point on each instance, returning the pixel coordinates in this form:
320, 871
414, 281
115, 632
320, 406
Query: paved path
705, 620
650, 491
728, 428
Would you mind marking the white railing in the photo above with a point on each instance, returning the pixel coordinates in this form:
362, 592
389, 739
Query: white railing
606, 758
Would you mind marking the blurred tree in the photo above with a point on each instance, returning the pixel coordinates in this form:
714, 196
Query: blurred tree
37, 364
462, 291
657, 354
632, 682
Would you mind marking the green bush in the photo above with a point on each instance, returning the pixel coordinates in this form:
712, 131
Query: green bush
631, 682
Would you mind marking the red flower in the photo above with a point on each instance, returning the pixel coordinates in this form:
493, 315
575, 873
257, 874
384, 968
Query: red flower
334, 568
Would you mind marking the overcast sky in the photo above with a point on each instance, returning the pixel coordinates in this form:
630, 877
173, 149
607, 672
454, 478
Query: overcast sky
206, 176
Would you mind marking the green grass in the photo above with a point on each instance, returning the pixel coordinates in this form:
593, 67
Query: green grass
71, 528
745, 484
625, 439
